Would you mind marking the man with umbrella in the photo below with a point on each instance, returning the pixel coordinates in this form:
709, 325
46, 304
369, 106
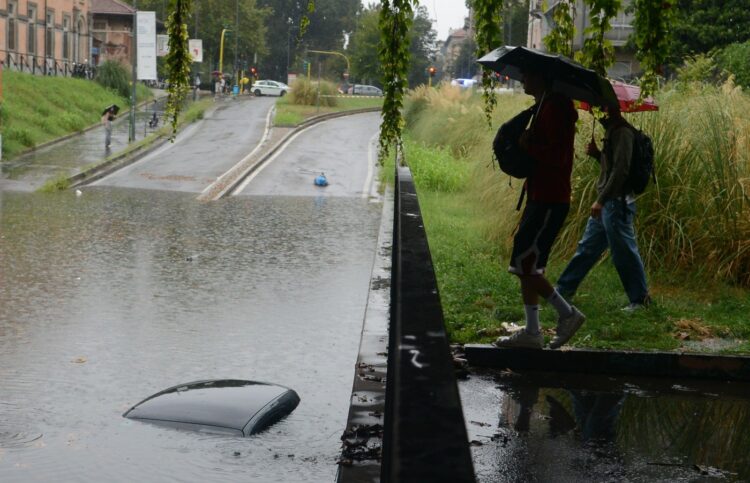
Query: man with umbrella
107, 117
549, 141
611, 222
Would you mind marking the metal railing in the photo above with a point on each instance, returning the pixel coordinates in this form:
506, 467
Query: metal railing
40, 65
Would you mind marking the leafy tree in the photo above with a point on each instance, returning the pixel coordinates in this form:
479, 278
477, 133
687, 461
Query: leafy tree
735, 59
363, 46
560, 39
421, 47
700, 26
364, 42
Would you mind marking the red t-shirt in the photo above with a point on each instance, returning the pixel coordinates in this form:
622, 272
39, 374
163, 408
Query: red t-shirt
551, 144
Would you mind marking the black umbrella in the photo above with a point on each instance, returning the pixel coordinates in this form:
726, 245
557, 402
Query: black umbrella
114, 108
568, 77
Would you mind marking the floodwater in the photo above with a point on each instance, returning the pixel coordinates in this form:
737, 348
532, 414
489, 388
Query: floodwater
580, 428
109, 297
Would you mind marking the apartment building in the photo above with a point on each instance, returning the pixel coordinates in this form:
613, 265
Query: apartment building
45, 36
540, 24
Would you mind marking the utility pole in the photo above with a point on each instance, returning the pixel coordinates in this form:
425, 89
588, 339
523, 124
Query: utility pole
131, 133
236, 39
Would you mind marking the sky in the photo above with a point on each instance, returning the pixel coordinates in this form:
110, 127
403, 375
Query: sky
449, 14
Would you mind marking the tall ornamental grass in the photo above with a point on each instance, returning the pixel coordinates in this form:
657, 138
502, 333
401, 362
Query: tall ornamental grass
695, 218
307, 93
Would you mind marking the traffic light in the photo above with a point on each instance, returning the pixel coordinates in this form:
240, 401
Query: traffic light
432, 70
254, 71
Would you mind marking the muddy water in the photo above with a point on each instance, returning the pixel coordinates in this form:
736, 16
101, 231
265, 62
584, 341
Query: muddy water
109, 297
579, 428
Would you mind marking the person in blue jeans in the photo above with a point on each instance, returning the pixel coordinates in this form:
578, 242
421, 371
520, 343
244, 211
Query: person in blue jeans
611, 222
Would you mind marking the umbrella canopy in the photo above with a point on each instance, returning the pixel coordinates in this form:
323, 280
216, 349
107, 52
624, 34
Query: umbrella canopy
628, 97
114, 108
568, 77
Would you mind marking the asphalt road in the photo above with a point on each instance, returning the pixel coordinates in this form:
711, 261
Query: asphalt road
202, 152
344, 149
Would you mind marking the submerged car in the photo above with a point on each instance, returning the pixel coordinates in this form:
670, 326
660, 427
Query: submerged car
225, 406
270, 88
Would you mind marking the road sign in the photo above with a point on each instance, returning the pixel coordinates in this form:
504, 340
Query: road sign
196, 49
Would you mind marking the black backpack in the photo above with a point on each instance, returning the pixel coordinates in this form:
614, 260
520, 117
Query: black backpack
512, 159
641, 163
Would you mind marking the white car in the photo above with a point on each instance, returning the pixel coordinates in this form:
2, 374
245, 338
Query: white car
270, 88
362, 90
464, 83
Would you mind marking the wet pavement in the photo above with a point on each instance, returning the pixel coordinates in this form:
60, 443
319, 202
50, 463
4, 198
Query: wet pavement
69, 156
528, 426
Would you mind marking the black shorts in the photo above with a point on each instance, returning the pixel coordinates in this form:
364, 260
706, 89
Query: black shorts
540, 224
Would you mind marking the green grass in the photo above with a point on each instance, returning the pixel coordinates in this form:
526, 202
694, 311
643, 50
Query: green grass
37, 109
470, 216
289, 114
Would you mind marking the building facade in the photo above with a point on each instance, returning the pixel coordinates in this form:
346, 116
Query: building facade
541, 23
45, 36
112, 31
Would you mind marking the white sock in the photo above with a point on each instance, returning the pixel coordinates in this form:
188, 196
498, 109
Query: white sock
563, 308
532, 318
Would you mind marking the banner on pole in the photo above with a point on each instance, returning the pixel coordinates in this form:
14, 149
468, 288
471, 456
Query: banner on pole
162, 45
196, 49
146, 45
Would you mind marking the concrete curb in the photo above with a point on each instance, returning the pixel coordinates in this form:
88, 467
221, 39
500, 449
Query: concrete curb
650, 364
278, 138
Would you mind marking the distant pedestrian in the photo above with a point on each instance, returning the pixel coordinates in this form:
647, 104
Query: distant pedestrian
107, 118
611, 222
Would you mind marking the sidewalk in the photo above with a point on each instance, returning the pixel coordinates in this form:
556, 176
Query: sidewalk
70, 155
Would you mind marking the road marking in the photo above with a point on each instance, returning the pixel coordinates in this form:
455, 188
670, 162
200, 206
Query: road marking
268, 161
370, 167
263, 139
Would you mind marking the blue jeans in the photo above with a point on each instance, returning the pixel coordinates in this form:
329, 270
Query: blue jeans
614, 231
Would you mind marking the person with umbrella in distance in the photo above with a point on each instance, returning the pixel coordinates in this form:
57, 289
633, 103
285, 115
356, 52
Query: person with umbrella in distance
611, 222
549, 141
107, 117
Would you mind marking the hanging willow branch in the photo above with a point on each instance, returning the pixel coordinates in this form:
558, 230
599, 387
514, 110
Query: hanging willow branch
598, 53
560, 38
487, 21
652, 20
396, 17
178, 60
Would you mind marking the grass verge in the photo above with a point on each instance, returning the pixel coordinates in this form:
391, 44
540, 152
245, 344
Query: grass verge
290, 115
690, 312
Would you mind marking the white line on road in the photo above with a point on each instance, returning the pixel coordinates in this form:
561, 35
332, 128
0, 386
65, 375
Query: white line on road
268, 161
370, 167
229, 172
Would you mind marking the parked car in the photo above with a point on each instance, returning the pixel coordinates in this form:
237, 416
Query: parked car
464, 83
270, 88
364, 90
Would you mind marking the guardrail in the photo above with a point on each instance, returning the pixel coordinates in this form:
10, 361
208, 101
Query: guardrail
425, 435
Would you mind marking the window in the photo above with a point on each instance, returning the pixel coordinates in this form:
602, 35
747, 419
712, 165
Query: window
50, 46
31, 37
66, 38
12, 26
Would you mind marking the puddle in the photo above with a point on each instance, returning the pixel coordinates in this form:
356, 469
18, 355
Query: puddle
575, 427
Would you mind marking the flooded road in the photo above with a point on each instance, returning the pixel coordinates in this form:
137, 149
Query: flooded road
580, 428
109, 297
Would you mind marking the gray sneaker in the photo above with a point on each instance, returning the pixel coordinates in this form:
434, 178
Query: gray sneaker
567, 327
521, 339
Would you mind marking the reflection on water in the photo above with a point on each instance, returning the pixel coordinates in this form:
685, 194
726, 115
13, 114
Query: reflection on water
573, 427
112, 296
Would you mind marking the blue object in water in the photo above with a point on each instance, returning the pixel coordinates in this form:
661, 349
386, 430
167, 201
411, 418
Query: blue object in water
321, 180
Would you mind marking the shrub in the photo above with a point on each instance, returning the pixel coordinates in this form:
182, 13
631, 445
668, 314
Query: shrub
307, 93
114, 76
700, 68
735, 60
21, 136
